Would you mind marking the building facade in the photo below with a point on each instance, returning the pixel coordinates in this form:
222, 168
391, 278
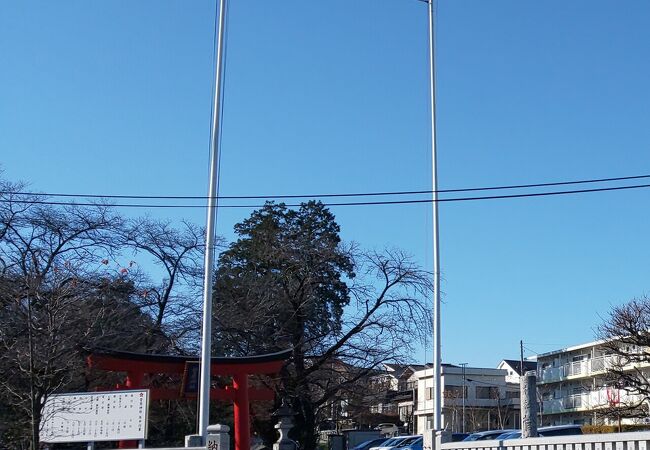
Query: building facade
574, 388
392, 391
473, 399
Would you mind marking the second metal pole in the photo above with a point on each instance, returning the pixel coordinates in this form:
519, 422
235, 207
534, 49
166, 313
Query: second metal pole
210, 231
463, 365
437, 360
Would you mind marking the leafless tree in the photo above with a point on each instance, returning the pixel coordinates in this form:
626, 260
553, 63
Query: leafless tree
453, 409
74, 279
386, 320
504, 410
626, 339
174, 301
50, 261
67, 287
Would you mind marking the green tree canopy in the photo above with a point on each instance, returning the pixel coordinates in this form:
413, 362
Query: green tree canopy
288, 271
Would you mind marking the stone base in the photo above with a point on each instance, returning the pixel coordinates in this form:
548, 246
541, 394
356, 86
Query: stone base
193, 440
433, 439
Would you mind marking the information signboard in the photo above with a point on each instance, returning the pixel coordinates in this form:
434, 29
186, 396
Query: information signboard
190, 378
95, 416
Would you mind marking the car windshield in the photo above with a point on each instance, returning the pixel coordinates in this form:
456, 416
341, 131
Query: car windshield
407, 441
391, 442
489, 435
562, 430
413, 445
455, 437
366, 444
472, 437
509, 435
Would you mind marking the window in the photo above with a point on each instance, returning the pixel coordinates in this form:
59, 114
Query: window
454, 392
487, 392
429, 393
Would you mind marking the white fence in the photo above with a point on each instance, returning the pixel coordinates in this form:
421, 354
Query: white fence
611, 441
175, 448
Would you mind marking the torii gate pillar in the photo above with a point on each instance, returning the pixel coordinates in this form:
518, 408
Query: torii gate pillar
241, 412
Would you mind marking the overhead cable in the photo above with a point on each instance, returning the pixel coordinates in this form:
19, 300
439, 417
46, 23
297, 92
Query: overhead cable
383, 202
313, 196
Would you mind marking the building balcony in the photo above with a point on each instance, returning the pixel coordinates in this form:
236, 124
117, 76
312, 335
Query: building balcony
596, 399
577, 369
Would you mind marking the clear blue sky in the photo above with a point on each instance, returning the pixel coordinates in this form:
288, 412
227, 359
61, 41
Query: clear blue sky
114, 97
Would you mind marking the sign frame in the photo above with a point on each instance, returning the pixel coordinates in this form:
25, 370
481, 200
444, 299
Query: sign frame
89, 412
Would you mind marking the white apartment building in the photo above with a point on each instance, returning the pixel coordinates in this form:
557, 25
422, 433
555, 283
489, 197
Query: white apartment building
490, 402
573, 388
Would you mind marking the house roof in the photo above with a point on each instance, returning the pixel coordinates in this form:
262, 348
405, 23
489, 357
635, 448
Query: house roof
516, 365
398, 370
395, 367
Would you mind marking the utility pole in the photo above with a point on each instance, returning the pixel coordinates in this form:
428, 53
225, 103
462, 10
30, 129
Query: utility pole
463, 365
521, 378
32, 378
437, 360
210, 231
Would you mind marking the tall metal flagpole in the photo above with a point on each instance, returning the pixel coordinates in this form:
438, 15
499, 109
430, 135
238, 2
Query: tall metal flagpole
208, 267
437, 361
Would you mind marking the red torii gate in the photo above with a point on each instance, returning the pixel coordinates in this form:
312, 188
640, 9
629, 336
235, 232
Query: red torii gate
137, 365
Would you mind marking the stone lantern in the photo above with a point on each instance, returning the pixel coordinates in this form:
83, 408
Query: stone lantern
285, 424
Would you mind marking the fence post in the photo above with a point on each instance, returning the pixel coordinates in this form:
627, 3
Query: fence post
218, 437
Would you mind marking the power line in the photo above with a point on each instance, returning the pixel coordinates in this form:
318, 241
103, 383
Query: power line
384, 202
531, 350
547, 344
311, 196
